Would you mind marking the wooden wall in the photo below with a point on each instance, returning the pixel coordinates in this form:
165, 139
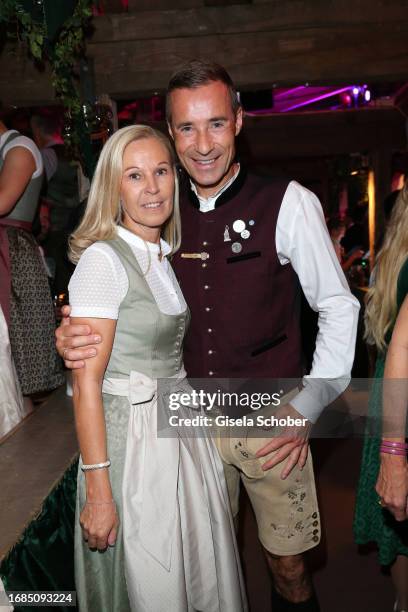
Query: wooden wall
261, 43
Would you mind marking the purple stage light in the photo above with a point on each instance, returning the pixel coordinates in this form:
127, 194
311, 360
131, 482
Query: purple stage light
312, 100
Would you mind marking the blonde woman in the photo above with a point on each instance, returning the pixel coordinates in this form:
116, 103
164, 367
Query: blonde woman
373, 521
154, 530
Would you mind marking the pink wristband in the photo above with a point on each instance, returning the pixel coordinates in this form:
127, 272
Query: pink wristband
392, 451
394, 444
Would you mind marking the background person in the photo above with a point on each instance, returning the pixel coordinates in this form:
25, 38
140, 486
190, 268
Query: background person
24, 291
385, 299
337, 229
60, 196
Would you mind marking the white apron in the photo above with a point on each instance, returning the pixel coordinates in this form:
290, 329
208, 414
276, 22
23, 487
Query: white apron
179, 540
11, 401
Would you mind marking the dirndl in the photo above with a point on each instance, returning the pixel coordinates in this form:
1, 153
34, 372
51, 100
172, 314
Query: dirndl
176, 547
32, 319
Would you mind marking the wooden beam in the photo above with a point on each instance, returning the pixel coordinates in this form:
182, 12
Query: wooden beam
21, 82
275, 42
277, 16
256, 60
323, 133
261, 44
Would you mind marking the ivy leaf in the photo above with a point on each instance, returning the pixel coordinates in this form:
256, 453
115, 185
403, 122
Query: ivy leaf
24, 18
35, 49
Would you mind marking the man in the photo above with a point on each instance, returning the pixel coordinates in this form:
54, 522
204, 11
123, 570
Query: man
60, 196
247, 242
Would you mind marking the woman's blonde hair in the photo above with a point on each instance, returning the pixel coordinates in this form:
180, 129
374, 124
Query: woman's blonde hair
381, 306
103, 211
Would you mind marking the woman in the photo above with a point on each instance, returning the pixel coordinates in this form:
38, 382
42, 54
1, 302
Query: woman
392, 482
337, 229
385, 298
24, 291
156, 506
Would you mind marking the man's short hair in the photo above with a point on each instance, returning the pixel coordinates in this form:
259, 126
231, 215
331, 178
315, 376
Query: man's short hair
197, 73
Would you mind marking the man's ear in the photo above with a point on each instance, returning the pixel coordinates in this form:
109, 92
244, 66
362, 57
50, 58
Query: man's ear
238, 120
170, 130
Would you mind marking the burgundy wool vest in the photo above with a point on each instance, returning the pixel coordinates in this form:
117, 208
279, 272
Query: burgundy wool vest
244, 304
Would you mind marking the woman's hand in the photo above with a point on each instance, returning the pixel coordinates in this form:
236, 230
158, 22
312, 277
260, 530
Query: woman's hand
99, 522
392, 485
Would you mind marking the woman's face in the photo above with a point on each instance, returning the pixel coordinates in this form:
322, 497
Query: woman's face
147, 187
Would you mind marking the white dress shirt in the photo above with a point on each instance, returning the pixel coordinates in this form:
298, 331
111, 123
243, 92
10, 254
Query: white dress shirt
207, 204
303, 241
100, 283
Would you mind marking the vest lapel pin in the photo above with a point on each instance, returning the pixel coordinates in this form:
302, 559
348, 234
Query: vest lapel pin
236, 247
251, 222
238, 226
227, 237
203, 256
245, 234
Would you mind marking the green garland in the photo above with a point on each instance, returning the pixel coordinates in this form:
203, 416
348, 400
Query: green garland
26, 30
69, 47
63, 54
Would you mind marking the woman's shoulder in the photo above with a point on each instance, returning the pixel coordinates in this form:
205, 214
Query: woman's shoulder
100, 246
99, 253
98, 265
19, 140
98, 283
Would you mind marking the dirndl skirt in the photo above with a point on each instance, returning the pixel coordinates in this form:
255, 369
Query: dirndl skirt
32, 319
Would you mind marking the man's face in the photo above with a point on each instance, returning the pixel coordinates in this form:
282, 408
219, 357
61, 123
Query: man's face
204, 126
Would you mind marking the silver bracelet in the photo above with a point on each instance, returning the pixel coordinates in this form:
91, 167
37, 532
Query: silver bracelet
96, 466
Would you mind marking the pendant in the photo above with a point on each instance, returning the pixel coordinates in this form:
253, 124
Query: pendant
238, 226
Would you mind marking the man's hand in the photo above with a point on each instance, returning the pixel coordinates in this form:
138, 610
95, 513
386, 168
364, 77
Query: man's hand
291, 443
392, 485
75, 343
